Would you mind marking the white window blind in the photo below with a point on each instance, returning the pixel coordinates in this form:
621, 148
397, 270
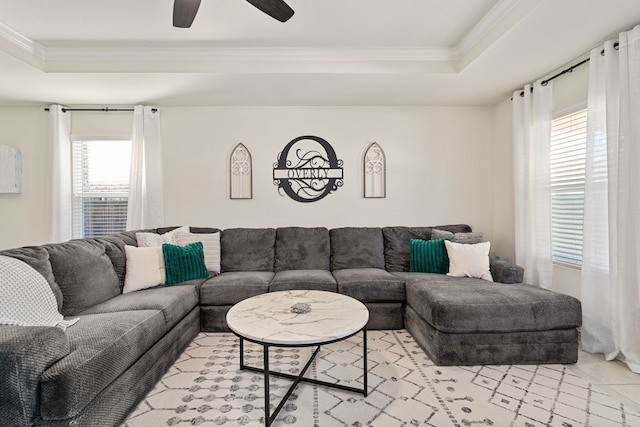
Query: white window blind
100, 171
568, 148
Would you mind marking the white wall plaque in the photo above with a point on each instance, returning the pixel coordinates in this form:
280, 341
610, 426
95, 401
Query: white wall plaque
10, 169
375, 172
240, 169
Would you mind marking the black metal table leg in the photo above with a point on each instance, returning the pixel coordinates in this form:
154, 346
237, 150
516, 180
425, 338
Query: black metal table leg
364, 360
241, 353
267, 418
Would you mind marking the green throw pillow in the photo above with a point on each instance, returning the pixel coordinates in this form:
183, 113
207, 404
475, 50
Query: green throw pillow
184, 263
428, 256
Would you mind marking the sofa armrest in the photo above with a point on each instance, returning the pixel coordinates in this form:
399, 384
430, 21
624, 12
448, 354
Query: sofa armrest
25, 353
506, 272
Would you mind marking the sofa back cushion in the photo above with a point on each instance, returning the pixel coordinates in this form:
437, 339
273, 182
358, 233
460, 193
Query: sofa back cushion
38, 258
114, 247
84, 272
353, 247
247, 249
197, 230
397, 243
300, 248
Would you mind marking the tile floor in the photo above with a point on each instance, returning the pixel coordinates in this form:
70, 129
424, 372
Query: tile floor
613, 376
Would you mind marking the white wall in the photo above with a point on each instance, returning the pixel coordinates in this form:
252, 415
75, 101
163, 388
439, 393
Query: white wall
439, 165
22, 217
503, 243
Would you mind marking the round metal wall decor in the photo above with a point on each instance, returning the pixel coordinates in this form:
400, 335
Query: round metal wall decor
308, 169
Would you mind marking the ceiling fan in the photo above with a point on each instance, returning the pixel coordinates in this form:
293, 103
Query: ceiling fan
184, 11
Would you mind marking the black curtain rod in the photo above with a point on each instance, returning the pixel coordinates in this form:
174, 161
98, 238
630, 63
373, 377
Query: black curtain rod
565, 71
616, 45
105, 109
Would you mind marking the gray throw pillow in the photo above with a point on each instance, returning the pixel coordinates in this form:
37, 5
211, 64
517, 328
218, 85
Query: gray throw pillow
466, 238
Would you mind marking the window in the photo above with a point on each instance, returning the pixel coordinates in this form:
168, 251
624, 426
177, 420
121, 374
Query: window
100, 175
568, 148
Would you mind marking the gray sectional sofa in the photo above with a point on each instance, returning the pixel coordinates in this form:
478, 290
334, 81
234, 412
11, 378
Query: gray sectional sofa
97, 371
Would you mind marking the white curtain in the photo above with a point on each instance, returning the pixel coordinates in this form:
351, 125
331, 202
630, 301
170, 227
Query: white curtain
146, 207
59, 174
611, 253
531, 119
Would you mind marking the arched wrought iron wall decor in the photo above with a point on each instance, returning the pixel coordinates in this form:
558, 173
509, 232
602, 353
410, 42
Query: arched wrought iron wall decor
374, 172
240, 173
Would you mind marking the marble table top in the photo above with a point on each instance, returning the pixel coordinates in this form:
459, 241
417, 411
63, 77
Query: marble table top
268, 318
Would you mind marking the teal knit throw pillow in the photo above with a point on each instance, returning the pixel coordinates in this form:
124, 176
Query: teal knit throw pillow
184, 263
428, 256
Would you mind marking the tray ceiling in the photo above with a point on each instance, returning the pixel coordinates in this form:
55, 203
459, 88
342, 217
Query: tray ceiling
332, 52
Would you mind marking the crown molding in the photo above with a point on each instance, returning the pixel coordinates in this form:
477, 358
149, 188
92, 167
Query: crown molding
485, 25
21, 42
247, 54
500, 19
151, 53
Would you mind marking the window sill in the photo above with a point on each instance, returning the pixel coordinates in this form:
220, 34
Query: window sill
568, 265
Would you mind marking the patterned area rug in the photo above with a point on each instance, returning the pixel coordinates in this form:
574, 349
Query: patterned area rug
205, 387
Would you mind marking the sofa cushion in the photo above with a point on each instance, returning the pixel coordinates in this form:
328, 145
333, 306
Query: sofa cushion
501, 271
38, 258
235, 286
204, 230
370, 284
114, 247
174, 302
247, 249
410, 276
84, 273
25, 353
313, 280
353, 247
184, 228
396, 243
102, 346
300, 248
464, 304
513, 348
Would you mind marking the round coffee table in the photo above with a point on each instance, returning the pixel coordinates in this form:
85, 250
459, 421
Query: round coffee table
279, 319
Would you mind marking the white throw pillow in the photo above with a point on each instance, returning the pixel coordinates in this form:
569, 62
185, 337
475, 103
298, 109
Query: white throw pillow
145, 268
146, 240
469, 260
211, 244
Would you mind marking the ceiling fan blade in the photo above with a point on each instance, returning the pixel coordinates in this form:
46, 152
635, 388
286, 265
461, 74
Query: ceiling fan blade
184, 11
277, 9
